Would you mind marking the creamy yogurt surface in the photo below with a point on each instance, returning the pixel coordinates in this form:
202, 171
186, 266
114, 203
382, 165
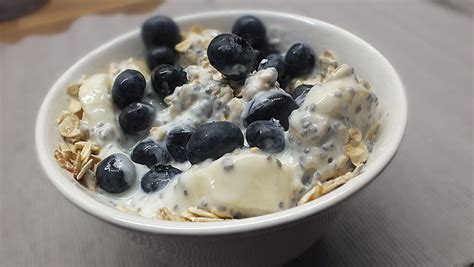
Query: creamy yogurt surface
329, 134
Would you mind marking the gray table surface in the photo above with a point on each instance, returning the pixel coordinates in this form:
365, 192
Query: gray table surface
420, 211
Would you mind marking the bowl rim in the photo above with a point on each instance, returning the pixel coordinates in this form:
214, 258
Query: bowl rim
138, 223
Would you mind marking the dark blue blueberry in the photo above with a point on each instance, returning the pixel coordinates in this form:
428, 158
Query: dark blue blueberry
260, 54
160, 30
149, 153
266, 135
158, 178
231, 55
160, 55
128, 87
251, 29
300, 92
213, 140
176, 142
165, 78
300, 60
275, 61
136, 117
284, 81
270, 105
115, 173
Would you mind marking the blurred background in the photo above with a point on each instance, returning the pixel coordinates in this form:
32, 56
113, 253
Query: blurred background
420, 211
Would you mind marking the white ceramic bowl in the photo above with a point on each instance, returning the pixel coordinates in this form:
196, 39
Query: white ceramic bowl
269, 239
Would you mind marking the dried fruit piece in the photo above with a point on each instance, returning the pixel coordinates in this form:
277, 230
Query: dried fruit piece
328, 59
197, 29
184, 45
321, 189
75, 106
86, 152
84, 168
165, 214
355, 148
69, 126
199, 215
80, 145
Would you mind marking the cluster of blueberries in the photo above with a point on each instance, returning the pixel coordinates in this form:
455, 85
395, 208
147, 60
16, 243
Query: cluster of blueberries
235, 56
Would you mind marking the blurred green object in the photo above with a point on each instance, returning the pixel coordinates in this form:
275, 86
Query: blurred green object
11, 9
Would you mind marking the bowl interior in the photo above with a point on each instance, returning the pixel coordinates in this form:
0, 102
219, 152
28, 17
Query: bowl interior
369, 65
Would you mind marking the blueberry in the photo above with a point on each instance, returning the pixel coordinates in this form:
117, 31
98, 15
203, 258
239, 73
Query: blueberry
275, 61
231, 55
160, 55
300, 92
266, 135
149, 153
260, 54
128, 87
160, 30
213, 140
158, 178
284, 81
251, 29
115, 173
300, 59
136, 117
176, 142
269, 105
165, 78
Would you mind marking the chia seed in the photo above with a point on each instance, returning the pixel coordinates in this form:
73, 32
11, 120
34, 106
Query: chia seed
203, 204
330, 160
317, 175
328, 147
228, 166
269, 158
369, 98
185, 192
278, 162
357, 109
226, 110
281, 205
352, 91
306, 150
329, 129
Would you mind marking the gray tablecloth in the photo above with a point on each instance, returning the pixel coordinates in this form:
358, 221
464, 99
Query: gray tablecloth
418, 212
